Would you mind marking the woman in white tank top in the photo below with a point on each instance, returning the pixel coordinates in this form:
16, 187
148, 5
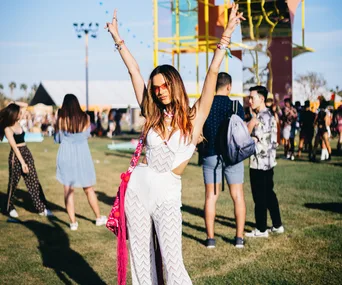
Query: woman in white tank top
171, 132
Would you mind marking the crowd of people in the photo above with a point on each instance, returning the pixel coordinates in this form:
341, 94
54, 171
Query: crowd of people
313, 128
170, 135
105, 123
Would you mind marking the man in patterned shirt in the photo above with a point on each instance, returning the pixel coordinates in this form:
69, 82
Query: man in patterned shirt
263, 129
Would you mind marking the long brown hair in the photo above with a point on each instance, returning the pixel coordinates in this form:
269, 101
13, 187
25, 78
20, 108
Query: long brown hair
71, 118
152, 108
8, 117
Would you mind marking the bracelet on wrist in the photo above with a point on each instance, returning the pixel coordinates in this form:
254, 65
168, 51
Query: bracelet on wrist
221, 46
224, 42
118, 45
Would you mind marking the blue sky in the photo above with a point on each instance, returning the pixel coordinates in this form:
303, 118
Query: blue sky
38, 42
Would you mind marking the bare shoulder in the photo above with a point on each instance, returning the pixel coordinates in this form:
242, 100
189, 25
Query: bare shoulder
8, 131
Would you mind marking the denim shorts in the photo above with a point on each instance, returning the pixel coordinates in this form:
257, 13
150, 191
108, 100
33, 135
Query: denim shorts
212, 171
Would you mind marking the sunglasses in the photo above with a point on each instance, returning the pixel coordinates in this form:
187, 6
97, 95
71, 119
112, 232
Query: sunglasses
157, 89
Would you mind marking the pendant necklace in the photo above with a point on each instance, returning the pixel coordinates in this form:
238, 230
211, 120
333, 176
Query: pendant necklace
168, 118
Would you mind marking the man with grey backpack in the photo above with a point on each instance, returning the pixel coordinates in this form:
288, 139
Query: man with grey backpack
215, 164
263, 129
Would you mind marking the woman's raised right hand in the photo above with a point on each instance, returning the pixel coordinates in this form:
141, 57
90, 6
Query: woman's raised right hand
113, 27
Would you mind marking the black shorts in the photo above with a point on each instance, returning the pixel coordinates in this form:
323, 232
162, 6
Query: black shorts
307, 135
321, 130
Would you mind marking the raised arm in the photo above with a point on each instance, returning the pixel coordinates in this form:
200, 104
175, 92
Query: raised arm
20, 104
203, 104
128, 59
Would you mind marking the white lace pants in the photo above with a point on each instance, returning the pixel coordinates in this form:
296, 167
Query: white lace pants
167, 220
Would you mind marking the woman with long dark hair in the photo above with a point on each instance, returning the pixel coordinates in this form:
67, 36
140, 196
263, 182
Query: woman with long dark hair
75, 166
171, 133
20, 160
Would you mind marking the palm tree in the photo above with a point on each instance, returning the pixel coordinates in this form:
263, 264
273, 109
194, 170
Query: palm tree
34, 88
23, 86
2, 97
12, 86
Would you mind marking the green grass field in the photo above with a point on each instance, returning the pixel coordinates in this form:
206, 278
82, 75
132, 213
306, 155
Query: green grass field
37, 250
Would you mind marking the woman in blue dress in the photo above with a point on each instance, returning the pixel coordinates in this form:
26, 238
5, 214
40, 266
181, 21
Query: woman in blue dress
75, 166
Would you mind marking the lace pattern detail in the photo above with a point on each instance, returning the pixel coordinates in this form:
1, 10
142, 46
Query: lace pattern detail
161, 158
167, 219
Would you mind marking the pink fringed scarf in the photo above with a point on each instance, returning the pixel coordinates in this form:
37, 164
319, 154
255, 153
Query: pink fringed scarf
117, 220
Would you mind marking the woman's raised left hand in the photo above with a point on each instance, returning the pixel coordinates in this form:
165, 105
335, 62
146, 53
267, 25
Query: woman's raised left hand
235, 19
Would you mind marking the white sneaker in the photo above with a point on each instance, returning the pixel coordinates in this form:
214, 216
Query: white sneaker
257, 233
74, 226
46, 213
13, 213
101, 221
279, 230
292, 157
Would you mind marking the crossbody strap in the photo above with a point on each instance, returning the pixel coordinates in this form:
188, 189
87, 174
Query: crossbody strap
136, 154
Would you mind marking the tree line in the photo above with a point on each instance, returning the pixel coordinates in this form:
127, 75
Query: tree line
27, 97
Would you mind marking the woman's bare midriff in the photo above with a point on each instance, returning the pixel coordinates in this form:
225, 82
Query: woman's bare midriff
178, 170
21, 144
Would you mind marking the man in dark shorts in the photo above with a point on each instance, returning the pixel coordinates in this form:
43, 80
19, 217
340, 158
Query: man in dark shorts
221, 109
306, 122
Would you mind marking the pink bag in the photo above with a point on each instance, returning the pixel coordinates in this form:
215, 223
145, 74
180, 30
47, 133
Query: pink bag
117, 220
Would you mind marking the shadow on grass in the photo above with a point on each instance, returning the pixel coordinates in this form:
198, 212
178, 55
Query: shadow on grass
54, 247
331, 207
104, 198
225, 221
203, 230
194, 164
23, 200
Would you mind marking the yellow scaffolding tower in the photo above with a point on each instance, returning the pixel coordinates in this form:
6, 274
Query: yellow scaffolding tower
194, 44
206, 43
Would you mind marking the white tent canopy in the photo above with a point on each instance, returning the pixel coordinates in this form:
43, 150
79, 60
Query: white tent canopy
117, 94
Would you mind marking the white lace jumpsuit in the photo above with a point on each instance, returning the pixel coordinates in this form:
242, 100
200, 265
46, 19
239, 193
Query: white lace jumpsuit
154, 194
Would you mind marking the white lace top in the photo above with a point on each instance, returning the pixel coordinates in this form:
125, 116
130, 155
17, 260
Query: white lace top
162, 155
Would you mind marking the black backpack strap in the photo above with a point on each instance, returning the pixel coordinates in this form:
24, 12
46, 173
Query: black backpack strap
222, 176
235, 106
222, 161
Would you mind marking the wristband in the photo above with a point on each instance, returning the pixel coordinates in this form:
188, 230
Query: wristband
224, 47
119, 44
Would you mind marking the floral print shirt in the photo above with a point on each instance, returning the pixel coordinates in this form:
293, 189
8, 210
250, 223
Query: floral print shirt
266, 134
